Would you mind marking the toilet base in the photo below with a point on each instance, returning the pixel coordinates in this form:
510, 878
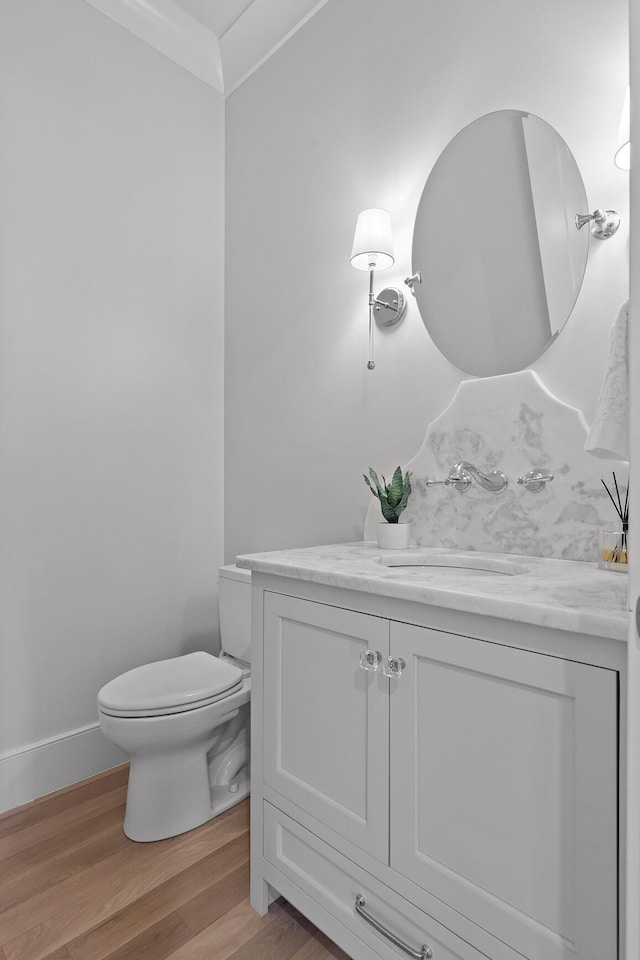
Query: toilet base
185, 768
167, 798
159, 810
180, 787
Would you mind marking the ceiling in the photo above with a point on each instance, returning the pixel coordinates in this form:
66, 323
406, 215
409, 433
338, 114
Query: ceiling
220, 41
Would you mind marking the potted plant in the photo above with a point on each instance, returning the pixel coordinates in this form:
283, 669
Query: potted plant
393, 499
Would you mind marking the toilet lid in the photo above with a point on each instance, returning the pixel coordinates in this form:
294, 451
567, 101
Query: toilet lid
170, 686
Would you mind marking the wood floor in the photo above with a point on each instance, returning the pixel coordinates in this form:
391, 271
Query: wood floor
73, 887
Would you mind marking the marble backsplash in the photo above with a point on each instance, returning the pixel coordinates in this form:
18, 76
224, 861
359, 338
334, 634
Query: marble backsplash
514, 424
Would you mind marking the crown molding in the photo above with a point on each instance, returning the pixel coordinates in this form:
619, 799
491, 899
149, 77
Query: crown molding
223, 63
261, 30
168, 28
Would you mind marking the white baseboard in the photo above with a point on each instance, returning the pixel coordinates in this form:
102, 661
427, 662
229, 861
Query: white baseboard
46, 766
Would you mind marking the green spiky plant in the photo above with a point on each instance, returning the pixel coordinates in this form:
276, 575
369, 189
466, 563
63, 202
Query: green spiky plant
392, 496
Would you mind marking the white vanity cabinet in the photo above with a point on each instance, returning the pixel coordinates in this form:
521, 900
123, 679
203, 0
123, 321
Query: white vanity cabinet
471, 801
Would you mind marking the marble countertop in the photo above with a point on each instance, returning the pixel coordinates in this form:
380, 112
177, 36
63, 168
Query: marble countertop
560, 594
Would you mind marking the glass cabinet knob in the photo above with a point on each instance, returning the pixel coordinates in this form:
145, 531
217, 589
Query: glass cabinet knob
370, 660
393, 666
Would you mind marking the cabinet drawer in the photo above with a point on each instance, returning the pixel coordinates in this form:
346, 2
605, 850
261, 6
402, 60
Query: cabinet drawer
334, 883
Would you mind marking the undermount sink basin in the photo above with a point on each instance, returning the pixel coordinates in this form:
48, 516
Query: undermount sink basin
452, 563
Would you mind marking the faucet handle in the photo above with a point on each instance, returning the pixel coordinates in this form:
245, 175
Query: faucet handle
461, 483
535, 480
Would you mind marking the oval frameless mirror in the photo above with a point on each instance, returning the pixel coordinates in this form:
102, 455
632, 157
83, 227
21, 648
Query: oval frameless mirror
495, 240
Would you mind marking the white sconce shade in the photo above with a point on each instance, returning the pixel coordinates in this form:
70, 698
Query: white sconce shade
622, 156
372, 243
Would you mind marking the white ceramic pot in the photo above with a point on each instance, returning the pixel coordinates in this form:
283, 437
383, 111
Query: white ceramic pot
394, 536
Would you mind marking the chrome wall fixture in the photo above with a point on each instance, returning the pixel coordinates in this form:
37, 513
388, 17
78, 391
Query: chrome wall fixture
605, 223
462, 473
411, 281
389, 306
373, 250
534, 481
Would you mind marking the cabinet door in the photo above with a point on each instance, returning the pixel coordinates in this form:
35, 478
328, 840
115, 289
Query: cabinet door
504, 790
326, 720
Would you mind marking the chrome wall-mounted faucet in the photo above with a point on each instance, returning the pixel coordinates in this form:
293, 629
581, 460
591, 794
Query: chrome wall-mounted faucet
463, 473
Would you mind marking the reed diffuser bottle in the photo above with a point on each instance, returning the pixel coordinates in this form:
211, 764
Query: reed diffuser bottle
613, 553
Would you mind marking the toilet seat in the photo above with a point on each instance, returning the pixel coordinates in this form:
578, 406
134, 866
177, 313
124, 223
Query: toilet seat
170, 686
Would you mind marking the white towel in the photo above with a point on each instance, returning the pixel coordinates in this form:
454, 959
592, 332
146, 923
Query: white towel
609, 434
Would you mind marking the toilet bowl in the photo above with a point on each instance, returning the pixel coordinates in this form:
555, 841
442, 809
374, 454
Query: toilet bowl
184, 723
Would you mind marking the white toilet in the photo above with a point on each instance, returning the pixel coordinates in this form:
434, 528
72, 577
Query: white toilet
184, 723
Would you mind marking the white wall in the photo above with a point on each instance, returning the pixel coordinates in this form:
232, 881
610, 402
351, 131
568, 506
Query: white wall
351, 113
111, 376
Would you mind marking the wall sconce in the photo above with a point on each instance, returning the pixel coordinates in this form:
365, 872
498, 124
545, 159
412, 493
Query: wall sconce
622, 157
373, 250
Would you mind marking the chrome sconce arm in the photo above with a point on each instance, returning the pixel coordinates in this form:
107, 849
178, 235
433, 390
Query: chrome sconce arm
393, 302
371, 362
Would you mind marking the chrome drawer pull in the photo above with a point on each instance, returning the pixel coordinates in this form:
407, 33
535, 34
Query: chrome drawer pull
425, 953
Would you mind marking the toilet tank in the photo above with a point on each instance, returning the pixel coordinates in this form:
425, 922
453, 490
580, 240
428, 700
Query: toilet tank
234, 600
